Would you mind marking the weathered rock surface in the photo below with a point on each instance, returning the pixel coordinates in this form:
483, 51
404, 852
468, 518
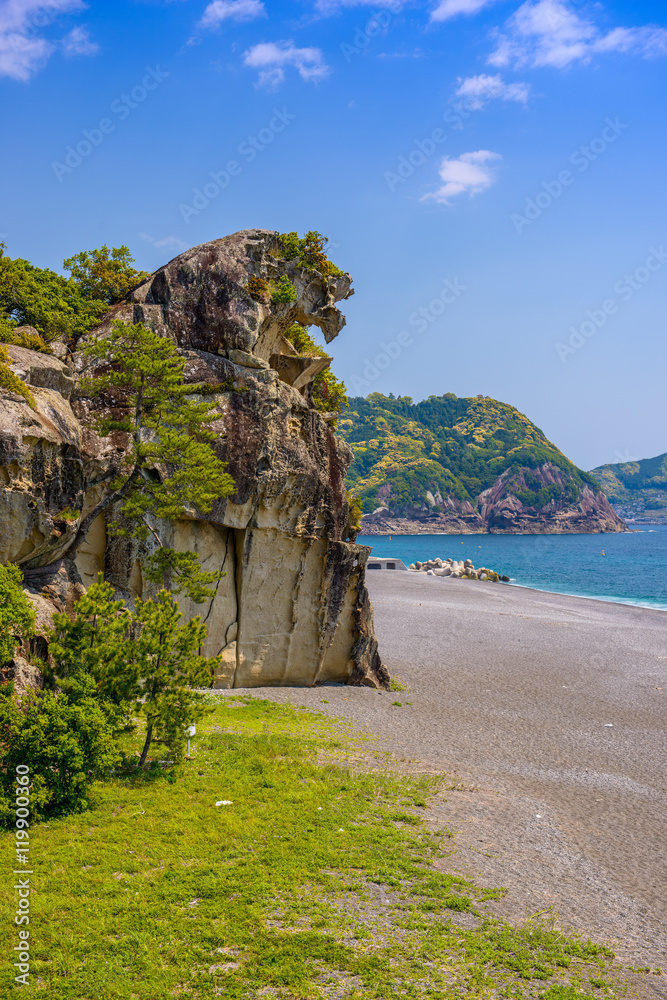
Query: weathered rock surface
499, 510
293, 606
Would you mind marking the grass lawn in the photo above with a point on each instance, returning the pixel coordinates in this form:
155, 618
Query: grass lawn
316, 881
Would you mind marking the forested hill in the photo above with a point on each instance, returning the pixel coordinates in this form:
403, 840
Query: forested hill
636, 488
473, 464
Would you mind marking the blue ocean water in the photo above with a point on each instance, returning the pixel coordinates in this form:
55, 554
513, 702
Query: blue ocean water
630, 568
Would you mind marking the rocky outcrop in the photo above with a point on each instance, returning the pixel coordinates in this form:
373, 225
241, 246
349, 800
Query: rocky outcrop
292, 607
508, 507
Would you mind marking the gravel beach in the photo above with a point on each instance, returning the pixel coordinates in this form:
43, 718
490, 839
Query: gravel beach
553, 712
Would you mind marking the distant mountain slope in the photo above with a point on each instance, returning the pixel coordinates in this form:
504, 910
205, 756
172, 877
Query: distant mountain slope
471, 465
636, 489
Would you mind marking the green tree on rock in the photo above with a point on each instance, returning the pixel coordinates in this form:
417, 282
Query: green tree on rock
17, 615
104, 274
168, 467
41, 298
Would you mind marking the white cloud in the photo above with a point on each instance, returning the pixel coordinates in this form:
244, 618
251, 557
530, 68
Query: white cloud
20, 57
327, 7
79, 43
453, 8
469, 173
271, 57
649, 41
231, 10
478, 90
551, 33
166, 243
23, 51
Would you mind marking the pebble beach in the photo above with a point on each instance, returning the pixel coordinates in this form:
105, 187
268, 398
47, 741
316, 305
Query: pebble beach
552, 712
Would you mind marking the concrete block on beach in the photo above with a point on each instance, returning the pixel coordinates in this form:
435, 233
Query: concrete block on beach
458, 569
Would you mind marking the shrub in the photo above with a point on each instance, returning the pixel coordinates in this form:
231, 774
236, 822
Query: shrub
283, 291
10, 335
11, 382
355, 512
91, 648
329, 393
308, 252
17, 614
258, 289
55, 305
35, 296
65, 745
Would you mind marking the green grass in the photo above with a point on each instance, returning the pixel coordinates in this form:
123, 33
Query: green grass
317, 881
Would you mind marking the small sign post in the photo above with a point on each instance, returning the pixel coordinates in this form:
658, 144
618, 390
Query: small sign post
191, 731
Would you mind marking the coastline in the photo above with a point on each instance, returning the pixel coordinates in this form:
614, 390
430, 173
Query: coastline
624, 602
624, 568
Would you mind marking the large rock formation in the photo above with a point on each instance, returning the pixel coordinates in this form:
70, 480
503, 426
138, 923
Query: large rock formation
292, 607
498, 510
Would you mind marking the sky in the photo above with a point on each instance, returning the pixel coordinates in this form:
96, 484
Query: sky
490, 172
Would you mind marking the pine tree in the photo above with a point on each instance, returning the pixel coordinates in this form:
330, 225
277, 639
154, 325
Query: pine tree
141, 662
169, 467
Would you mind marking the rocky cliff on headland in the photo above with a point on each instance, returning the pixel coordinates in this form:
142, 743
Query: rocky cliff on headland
292, 607
465, 466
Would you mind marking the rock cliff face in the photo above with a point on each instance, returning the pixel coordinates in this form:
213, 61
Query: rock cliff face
499, 510
293, 606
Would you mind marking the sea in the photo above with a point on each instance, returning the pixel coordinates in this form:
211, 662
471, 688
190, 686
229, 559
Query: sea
627, 568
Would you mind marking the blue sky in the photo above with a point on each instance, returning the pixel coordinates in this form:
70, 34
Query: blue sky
491, 173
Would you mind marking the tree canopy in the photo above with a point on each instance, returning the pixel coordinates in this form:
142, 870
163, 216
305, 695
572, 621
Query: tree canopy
57, 306
105, 275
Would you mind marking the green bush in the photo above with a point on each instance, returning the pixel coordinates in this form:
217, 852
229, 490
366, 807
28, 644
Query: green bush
10, 335
35, 296
66, 746
329, 393
308, 252
11, 382
356, 511
17, 614
90, 647
283, 291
